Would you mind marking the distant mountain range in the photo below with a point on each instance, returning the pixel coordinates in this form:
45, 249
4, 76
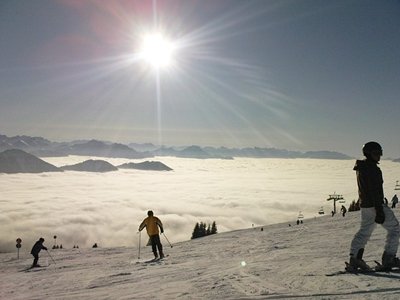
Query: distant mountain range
43, 148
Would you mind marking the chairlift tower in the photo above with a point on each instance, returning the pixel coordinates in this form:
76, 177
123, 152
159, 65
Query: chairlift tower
335, 198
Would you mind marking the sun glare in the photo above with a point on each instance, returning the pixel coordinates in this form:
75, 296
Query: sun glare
157, 50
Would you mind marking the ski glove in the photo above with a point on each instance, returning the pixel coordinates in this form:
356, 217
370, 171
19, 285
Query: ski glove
380, 216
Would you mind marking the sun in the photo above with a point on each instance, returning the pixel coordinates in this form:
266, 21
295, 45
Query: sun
157, 50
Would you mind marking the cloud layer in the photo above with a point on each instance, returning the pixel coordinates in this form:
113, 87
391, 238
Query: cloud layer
82, 208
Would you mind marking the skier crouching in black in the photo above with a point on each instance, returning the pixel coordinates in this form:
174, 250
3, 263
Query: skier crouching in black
35, 251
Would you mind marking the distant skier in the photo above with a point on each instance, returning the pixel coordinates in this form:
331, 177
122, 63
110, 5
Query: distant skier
370, 191
35, 251
152, 223
343, 210
394, 201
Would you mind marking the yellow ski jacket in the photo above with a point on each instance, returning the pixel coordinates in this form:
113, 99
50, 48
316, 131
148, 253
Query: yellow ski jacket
151, 223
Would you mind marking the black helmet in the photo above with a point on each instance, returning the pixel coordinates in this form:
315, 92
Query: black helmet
41, 239
372, 147
150, 213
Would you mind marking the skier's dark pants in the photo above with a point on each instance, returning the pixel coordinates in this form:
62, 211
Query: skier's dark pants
35, 261
156, 243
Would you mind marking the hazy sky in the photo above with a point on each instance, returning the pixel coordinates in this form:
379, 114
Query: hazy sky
301, 75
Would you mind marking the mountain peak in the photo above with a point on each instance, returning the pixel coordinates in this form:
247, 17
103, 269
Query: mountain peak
19, 161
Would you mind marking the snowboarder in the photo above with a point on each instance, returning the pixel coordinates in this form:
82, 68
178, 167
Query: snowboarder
343, 210
394, 201
152, 223
35, 251
373, 210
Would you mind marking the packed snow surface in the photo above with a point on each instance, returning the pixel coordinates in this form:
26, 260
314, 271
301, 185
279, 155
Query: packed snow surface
278, 262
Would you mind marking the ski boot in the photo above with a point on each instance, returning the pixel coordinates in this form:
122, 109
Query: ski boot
357, 263
389, 261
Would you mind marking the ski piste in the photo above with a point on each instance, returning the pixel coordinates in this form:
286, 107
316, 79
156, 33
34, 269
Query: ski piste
377, 270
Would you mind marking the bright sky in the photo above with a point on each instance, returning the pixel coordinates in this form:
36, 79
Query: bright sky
301, 75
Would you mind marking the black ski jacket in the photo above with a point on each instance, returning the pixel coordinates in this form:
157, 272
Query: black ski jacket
370, 183
37, 247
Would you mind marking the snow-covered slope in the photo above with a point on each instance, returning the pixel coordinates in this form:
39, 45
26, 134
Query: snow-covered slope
278, 262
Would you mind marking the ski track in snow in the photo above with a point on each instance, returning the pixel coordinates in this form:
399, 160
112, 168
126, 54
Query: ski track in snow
280, 262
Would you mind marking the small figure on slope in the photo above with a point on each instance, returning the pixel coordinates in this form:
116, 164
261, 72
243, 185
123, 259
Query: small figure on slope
152, 223
343, 210
373, 210
35, 251
394, 201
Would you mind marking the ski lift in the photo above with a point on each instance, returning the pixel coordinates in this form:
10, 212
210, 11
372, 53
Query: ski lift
335, 198
301, 216
321, 211
397, 186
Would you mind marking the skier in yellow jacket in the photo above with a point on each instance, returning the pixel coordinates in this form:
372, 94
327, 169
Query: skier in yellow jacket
152, 223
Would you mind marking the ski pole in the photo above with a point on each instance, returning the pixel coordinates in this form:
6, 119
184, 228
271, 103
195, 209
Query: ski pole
139, 244
167, 239
51, 257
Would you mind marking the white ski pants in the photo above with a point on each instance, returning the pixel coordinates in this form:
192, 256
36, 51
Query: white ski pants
368, 225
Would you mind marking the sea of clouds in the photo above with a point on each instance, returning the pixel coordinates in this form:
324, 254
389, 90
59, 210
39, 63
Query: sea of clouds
83, 208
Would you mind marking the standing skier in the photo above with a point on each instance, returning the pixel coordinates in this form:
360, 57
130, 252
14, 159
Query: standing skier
35, 251
343, 210
394, 201
152, 223
373, 210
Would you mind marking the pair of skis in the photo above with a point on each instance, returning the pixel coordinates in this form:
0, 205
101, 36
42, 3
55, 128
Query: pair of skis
33, 268
378, 269
154, 260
